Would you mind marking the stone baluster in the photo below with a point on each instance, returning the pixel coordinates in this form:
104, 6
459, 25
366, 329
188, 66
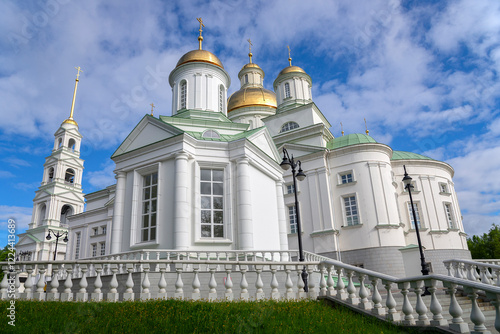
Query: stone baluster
330, 282
377, 309
67, 295
40, 284
462, 270
289, 294
456, 266
392, 313
145, 294
489, 275
497, 274
301, 294
322, 281
82, 295
407, 308
129, 284
228, 295
341, 293
196, 295
28, 294
275, 294
259, 294
435, 307
157, 268
351, 289
420, 307
447, 265
311, 293
365, 304
162, 282
113, 295
4, 285
97, 294
457, 323
168, 259
17, 283
484, 276
212, 284
243, 283
476, 273
179, 292
495, 301
476, 315
53, 295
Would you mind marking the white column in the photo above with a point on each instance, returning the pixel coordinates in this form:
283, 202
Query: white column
117, 223
245, 235
181, 217
198, 91
281, 216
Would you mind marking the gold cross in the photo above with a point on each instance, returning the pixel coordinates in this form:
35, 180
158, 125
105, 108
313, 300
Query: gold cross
201, 24
78, 72
152, 107
367, 132
250, 44
289, 58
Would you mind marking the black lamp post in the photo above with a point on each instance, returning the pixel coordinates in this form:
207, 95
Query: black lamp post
286, 164
407, 182
57, 235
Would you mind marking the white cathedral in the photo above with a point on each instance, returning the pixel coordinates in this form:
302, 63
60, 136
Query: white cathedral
209, 178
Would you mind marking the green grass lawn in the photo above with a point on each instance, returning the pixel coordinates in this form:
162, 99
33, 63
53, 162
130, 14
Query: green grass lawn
174, 316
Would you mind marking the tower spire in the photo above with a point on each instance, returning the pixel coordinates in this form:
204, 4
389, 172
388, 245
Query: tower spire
200, 38
250, 49
289, 57
70, 120
342, 129
367, 132
152, 108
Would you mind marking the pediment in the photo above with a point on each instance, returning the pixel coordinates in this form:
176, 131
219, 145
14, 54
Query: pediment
263, 140
149, 130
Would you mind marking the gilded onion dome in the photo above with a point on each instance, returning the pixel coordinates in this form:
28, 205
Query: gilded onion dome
251, 97
291, 69
200, 56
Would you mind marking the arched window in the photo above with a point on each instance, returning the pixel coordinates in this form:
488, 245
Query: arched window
183, 95
51, 174
70, 176
41, 214
287, 90
210, 134
59, 142
246, 78
221, 98
71, 144
289, 126
66, 211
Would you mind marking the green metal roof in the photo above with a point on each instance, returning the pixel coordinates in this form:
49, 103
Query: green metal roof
401, 155
351, 139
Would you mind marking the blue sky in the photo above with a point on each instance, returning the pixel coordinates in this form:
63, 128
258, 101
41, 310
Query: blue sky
423, 74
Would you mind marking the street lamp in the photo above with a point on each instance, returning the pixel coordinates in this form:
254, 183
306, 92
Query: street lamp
286, 164
57, 235
407, 182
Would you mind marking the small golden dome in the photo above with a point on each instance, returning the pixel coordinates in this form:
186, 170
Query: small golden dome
201, 56
251, 65
251, 97
291, 69
70, 121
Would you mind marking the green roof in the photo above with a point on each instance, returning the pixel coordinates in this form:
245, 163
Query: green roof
351, 139
401, 155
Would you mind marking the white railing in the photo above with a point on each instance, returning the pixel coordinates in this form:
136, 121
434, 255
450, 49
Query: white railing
474, 271
359, 297
198, 277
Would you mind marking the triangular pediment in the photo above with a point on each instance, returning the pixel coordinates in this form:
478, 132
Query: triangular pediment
263, 140
298, 150
149, 130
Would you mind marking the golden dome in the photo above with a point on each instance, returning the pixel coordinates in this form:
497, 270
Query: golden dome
251, 65
251, 97
70, 121
292, 69
201, 56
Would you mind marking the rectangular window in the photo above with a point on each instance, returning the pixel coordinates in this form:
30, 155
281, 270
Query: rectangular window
351, 211
443, 188
95, 231
417, 213
292, 217
94, 250
103, 248
449, 215
290, 189
149, 207
287, 90
103, 229
212, 203
183, 94
346, 178
77, 246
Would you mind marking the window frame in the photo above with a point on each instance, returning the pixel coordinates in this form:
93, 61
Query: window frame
418, 211
292, 219
94, 250
341, 175
283, 129
213, 197
450, 217
183, 94
288, 93
345, 210
78, 240
102, 248
152, 203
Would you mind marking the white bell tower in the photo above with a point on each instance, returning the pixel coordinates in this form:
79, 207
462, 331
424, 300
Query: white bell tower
59, 196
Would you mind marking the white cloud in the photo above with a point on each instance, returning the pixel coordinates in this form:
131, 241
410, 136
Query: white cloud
102, 178
21, 216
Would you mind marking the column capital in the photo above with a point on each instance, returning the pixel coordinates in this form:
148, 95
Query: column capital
181, 155
243, 160
120, 175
